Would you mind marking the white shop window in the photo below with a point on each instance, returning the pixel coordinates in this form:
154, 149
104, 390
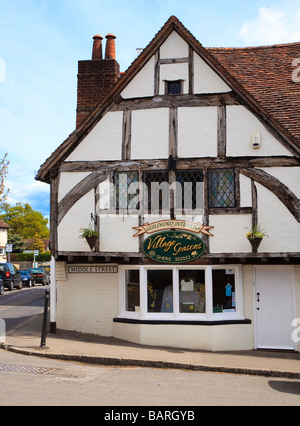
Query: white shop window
192, 293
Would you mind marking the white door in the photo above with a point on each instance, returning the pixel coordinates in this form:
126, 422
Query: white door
274, 304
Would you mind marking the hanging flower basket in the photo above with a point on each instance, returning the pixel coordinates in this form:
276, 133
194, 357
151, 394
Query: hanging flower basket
91, 237
255, 237
255, 242
92, 242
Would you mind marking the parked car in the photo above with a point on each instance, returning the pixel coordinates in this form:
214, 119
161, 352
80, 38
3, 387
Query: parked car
1, 287
27, 277
10, 276
39, 275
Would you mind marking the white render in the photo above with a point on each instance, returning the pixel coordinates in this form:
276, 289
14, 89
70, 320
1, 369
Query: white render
241, 123
197, 132
142, 84
104, 142
206, 80
150, 133
78, 217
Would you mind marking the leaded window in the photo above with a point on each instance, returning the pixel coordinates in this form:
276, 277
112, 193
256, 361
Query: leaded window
126, 190
221, 188
174, 87
190, 194
156, 194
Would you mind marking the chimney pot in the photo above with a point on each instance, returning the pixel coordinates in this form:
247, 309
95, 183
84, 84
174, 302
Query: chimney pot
110, 51
97, 47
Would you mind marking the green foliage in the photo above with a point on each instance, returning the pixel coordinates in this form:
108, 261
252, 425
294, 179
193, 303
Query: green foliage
42, 257
87, 232
16, 241
25, 221
256, 232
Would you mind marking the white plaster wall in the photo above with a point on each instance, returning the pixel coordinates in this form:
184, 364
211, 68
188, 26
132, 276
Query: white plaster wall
87, 303
289, 176
241, 123
3, 237
207, 338
104, 142
79, 216
197, 132
142, 85
245, 191
116, 233
206, 80
174, 47
230, 233
150, 134
67, 181
278, 222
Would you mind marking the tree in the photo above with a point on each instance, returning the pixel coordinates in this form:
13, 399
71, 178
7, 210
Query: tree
16, 241
25, 221
4, 163
38, 244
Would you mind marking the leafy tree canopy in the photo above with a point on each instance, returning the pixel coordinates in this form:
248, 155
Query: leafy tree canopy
25, 221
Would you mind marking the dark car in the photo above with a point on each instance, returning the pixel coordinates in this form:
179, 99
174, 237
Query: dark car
10, 276
27, 277
39, 275
1, 287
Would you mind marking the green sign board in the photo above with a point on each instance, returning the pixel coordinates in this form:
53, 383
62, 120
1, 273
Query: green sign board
173, 247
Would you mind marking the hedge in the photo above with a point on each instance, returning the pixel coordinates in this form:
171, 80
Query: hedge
41, 257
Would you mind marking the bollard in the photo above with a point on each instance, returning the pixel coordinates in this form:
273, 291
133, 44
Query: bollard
45, 320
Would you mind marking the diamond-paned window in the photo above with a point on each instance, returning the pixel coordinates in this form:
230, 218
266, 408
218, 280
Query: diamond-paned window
174, 87
221, 188
156, 198
126, 190
190, 195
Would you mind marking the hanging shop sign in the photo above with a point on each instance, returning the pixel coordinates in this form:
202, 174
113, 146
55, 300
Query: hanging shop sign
162, 225
173, 247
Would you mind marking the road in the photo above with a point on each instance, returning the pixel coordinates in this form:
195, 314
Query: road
30, 381
18, 306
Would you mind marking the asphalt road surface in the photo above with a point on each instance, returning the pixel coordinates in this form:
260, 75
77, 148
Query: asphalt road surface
33, 381
18, 306
28, 381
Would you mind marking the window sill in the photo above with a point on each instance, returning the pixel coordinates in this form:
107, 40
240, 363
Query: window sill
182, 322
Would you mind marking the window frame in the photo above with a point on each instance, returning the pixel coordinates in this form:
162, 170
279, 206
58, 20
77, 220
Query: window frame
167, 87
235, 184
115, 195
176, 315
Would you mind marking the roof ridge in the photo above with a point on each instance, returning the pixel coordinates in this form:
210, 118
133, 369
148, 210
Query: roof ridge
255, 47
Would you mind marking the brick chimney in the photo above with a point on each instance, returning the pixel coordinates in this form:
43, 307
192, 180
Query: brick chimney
96, 77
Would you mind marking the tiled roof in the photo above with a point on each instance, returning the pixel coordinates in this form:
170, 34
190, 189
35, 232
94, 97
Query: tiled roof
266, 73
260, 76
3, 225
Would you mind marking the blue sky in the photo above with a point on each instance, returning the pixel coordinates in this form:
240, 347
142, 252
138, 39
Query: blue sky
41, 42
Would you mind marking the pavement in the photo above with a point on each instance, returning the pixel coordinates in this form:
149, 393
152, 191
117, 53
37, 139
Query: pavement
108, 351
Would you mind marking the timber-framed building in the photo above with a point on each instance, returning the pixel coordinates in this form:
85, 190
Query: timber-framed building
217, 130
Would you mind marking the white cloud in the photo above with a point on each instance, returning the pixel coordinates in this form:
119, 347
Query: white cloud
271, 26
36, 194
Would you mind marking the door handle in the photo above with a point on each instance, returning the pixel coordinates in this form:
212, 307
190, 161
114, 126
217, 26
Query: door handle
258, 299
